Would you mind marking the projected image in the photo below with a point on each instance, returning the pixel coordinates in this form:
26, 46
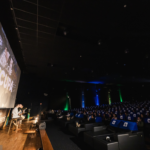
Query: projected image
9, 73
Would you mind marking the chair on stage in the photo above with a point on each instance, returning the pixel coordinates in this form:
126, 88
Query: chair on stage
14, 121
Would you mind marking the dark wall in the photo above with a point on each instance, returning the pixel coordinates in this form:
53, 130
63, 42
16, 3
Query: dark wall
31, 93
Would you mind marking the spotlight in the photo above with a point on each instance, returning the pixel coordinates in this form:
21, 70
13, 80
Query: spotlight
11, 8
80, 55
125, 6
146, 56
65, 33
16, 28
45, 94
99, 42
19, 41
126, 51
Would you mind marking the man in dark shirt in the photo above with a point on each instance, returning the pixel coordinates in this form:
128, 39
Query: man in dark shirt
140, 123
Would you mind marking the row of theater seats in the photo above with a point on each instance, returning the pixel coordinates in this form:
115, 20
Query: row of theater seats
120, 134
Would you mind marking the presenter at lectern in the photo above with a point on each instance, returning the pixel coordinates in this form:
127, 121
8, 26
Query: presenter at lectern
16, 115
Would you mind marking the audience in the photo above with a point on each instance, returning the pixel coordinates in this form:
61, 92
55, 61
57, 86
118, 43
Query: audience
136, 112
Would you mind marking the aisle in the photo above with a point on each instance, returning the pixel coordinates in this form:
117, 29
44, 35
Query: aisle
62, 139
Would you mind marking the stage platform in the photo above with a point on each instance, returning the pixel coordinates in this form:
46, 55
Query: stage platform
20, 140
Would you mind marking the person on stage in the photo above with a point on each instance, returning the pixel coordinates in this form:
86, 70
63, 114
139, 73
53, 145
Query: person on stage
16, 115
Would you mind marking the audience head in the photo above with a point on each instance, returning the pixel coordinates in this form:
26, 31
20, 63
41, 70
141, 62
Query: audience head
138, 118
142, 116
114, 115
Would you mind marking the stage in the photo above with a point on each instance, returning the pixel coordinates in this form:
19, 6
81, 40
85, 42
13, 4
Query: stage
20, 140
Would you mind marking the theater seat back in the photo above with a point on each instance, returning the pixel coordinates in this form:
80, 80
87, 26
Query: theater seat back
131, 141
89, 126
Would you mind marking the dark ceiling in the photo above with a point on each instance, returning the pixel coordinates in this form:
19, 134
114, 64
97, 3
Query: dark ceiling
80, 39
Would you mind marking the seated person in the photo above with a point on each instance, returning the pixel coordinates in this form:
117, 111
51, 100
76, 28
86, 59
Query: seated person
107, 119
148, 115
80, 123
142, 117
59, 114
126, 116
92, 119
16, 115
99, 115
68, 114
103, 117
121, 116
140, 123
21, 112
114, 117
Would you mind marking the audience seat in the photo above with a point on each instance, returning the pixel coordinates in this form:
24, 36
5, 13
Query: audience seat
102, 143
77, 130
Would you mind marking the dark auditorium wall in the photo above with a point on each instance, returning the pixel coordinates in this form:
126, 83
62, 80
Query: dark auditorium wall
31, 93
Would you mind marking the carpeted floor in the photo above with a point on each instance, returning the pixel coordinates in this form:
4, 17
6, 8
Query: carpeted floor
62, 139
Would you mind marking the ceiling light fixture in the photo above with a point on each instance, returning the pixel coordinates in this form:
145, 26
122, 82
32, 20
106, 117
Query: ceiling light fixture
65, 33
99, 42
146, 56
126, 51
45, 94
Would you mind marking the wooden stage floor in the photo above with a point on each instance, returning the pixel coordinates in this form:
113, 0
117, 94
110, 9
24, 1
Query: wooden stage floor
20, 140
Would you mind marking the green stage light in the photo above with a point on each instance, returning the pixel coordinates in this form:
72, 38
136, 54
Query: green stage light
121, 100
67, 102
109, 98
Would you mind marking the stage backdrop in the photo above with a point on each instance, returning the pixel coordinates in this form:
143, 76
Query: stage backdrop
9, 73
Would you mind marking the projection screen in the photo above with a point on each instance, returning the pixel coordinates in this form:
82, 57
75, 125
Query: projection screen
9, 73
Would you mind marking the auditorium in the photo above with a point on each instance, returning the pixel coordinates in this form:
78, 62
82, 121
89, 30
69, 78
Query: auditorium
74, 75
